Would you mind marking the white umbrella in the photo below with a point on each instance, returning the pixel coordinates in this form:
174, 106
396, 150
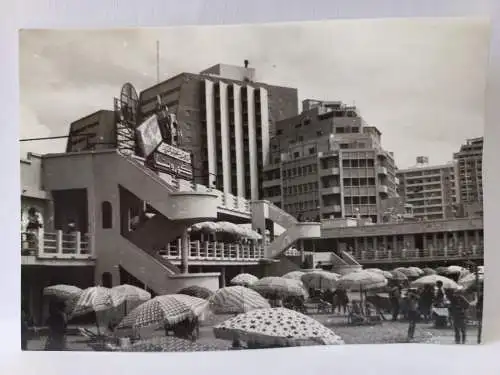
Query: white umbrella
236, 299
386, 274
319, 279
433, 279
276, 326
361, 281
244, 279
296, 275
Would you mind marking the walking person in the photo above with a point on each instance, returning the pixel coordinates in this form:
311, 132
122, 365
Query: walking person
479, 314
413, 314
458, 308
57, 323
395, 297
425, 302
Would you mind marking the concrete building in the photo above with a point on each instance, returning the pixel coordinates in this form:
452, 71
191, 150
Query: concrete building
225, 117
96, 131
469, 161
328, 163
430, 189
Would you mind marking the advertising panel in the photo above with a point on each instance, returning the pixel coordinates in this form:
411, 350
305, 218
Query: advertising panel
149, 135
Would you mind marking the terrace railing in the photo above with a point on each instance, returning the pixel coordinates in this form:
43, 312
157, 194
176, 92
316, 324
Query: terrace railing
56, 245
217, 251
419, 254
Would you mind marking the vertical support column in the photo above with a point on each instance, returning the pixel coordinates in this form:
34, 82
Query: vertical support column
59, 242
78, 243
301, 249
185, 251
394, 244
435, 242
238, 141
223, 277
424, 244
455, 243
212, 152
356, 245
466, 242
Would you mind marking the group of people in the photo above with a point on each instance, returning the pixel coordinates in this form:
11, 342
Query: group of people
419, 303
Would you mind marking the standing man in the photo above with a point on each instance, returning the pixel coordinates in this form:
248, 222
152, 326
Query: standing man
412, 312
458, 308
479, 314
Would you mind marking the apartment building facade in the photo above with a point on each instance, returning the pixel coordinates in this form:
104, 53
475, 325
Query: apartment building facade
328, 163
225, 119
469, 160
430, 189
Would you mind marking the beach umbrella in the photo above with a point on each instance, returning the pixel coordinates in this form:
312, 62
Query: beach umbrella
386, 274
429, 271
398, 276
206, 226
168, 309
361, 281
408, 272
196, 291
454, 270
296, 275
432, 280
442, 270
95, 299
236, 299
276, 327
132, 293
469, 281
278, 286
244, 279
62, 291
165, 344
319, 279
417, 270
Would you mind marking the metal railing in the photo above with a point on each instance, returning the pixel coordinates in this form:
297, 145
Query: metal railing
418, 254
205, 250
56, 245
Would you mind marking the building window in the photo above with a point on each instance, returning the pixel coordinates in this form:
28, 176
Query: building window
319, 133
279, 132
312, 150
107, 215
296, 154
340, 130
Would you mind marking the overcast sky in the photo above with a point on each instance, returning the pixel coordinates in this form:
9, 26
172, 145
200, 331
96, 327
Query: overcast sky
421, 82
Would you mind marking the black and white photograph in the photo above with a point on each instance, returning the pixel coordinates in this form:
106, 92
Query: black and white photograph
219, 188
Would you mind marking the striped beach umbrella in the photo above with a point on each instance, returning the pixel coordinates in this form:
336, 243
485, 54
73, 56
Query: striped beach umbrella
169, 309
361, 281
236, 299
95, 299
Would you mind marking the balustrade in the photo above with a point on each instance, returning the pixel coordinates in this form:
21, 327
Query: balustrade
56, 245
420, 254
215, 251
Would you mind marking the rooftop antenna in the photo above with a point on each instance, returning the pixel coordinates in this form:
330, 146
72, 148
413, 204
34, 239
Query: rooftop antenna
157, 61
246, 63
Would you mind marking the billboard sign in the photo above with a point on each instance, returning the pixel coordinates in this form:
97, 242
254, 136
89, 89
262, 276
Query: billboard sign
172, 160
149, 135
